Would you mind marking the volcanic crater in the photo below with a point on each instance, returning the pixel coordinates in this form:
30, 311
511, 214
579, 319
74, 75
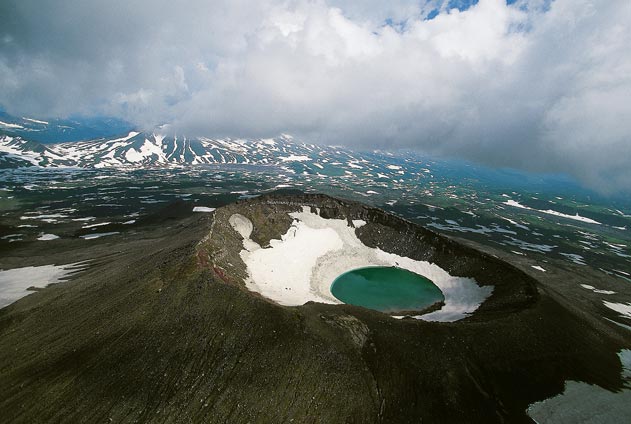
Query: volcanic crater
290, 249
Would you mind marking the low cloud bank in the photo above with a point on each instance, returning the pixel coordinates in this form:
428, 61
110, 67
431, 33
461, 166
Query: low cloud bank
536, 85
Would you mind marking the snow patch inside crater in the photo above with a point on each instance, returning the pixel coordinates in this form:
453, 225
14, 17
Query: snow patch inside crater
302, 265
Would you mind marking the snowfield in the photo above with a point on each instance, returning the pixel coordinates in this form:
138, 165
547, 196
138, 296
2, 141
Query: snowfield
47, 237
623, 309
302, 265
576, 217
203, 209
581, 402
15, 282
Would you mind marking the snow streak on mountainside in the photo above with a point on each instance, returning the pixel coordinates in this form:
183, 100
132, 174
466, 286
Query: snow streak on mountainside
137, 150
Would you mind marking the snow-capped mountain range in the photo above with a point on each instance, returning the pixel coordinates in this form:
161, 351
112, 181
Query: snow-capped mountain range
154, 150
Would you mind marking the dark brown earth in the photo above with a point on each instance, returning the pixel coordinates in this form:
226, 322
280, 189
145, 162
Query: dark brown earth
159, 328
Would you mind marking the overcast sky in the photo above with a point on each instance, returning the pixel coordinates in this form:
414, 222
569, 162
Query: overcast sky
537, 85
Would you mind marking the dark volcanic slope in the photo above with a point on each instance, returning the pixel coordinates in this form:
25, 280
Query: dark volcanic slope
159, 328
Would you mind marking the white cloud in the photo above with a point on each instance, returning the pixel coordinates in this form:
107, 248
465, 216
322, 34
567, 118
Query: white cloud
535, 85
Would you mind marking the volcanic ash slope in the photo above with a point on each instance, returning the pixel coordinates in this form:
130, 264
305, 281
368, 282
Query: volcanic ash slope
160, 327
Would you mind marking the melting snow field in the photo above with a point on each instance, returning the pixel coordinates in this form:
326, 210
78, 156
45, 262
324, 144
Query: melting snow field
576, 217
623, 309
98, 235
583, 403
302, 265
203, 209
595, 290
15, 282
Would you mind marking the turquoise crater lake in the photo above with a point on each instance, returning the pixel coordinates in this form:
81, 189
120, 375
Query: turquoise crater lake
386, 289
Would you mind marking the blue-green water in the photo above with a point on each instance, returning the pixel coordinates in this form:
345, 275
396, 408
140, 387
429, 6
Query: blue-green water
386, 289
